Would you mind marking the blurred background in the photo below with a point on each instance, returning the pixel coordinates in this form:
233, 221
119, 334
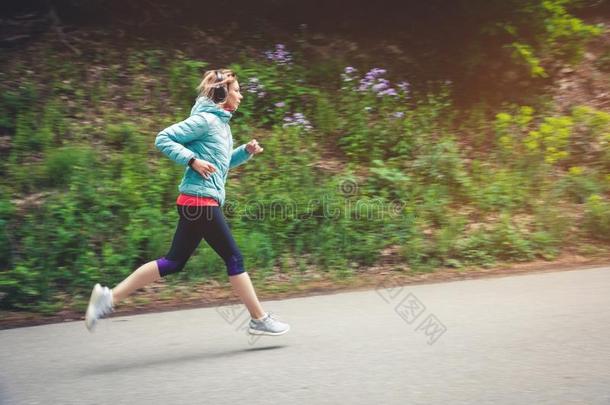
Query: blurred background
399, 136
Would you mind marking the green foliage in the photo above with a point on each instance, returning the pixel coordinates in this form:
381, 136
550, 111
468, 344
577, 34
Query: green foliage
498, 188
590, 143
526, 141
325, 115
428, 247
551, 230
597, 217
510, 129
388, 181
85, 193
526, 53
508, 241
30, 137
545, 29
454, 246
577, 185
551, 139
475, 249
59, 164
184, 76
7, 210
374, 127
13, 102
440, 164
123, 135
273, 90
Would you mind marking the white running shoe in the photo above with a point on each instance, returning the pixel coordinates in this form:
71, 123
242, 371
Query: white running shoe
100, 304
268, 325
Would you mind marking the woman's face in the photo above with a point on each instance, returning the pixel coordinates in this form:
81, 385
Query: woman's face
234, 97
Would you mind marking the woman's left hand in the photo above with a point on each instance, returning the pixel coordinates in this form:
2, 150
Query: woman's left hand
253, 147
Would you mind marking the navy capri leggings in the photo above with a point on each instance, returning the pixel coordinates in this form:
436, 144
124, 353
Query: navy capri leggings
197, 222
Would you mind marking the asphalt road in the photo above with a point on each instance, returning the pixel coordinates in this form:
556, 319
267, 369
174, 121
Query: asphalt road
530, 339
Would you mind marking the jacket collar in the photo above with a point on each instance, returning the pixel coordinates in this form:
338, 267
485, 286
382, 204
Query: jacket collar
204, 104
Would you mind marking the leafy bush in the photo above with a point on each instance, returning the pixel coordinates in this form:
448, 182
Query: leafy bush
184, 76
59, 164
590, 143
578, 185
545, 29
597, 217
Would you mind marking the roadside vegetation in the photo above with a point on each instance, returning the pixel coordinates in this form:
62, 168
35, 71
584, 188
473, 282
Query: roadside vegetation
358, 159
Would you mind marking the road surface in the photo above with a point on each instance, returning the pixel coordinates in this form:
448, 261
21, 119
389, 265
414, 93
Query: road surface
540, 338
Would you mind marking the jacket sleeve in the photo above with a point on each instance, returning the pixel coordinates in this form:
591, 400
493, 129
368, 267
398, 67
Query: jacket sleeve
240, 155
172, 139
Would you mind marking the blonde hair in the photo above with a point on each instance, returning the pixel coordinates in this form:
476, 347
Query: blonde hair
209, 82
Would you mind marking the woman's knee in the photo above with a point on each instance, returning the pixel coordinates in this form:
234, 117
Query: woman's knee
235, 264
167, 266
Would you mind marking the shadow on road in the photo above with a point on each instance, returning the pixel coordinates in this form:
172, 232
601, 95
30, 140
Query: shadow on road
135, 363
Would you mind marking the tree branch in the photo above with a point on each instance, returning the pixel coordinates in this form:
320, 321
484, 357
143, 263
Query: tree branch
56, 23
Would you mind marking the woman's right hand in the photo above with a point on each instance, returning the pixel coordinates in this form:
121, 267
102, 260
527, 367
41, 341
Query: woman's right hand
203, 167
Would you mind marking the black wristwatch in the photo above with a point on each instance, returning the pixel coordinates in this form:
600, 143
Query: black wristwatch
191, 161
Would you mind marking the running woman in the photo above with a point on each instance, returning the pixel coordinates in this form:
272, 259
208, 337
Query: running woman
203, 143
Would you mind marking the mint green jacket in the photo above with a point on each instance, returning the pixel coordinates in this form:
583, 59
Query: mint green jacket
204, 135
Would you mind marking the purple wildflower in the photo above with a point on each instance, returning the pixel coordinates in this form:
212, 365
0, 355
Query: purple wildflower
280, 55
372, 77
297, 120
376, 72
387, 92
379, 87
255, 87
404, 86
252, 86
280, 104
348, 74
398, 114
